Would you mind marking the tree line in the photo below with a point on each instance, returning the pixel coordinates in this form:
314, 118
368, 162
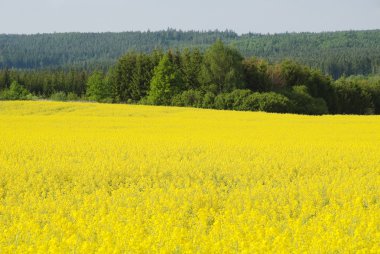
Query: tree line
334, 53
219, 78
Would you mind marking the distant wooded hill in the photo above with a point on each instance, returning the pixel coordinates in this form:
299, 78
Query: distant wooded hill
335, 53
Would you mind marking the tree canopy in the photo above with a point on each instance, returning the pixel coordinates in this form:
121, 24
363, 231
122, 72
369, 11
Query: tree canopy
334, 53
219, 77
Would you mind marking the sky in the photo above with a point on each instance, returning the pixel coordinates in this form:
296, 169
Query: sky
242, 16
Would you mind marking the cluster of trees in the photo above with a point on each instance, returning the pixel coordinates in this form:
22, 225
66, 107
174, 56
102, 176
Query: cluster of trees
44, 83
334, 53
219, 77
92, 51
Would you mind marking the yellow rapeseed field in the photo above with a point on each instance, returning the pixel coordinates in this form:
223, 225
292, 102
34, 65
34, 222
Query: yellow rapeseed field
84, 178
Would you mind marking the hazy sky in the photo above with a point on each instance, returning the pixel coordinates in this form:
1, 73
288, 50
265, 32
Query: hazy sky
242, 16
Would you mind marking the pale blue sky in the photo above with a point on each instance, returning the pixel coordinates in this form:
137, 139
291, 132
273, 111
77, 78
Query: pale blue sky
242, 16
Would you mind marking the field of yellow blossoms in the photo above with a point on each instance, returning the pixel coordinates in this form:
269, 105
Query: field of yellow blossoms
84, 178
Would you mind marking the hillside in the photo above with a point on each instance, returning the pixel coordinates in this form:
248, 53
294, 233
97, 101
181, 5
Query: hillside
335, 53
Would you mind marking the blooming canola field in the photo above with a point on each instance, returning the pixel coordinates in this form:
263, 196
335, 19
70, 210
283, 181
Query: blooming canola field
100, 178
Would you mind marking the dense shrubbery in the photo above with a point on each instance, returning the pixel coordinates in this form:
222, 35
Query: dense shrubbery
352, 98
219, 78
303, 103
269, 102
58, 96
15, 92
190, 98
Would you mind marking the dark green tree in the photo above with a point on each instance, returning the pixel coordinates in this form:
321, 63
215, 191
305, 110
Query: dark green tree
191, 64
124, 71
352, 98
256, 75
294, 73
142, 74
304, 103
5, 79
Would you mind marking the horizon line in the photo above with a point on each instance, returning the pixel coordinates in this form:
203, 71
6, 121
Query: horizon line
191, 30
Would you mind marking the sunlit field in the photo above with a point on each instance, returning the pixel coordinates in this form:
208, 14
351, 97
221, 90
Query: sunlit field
84, 177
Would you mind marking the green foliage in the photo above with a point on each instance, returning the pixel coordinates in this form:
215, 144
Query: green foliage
311, 91
131, 76
256, 76
93, 51
320, 86
5, 79
165, 82
304, 103
31, 97
45, 82
15, 92
97, 88
72, 96
221, 101
58, 96
142, 75
235, 99
334, 53
268, 102
246, 100
293, 73
372, 86
219, 78
222, 69
191, 65
189, 98
208, 100
122, 78
352, 98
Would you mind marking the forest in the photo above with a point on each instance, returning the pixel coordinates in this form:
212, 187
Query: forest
334, 53
216, 77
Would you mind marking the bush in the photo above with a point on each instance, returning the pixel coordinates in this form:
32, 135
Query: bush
72, 97
144, 101
304, 103
235, 98
374, 90
58, 96
352, 98
4, 95
246, 100
106, 100
15, 92
31, 97
268, 102
274, 102
252, 102
190, 98
177, 100
208, 100
221, 102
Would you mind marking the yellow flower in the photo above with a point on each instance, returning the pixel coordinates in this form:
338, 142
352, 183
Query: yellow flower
85, 178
